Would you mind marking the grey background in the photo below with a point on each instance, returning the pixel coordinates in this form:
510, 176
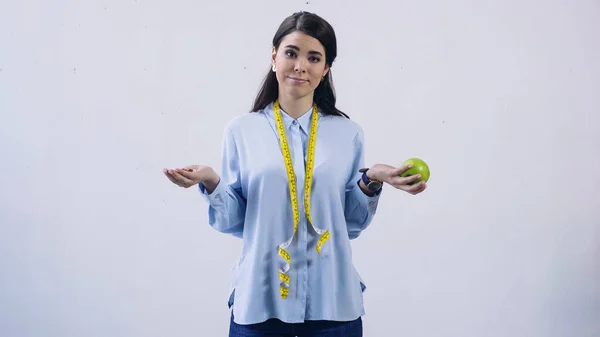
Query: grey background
499, 97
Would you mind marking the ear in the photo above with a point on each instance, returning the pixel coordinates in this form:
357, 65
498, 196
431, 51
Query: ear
273, 55
326, 70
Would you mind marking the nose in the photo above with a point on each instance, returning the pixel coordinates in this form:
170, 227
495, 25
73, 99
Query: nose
300, 66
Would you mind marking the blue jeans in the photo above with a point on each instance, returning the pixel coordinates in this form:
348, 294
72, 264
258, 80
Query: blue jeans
277, 328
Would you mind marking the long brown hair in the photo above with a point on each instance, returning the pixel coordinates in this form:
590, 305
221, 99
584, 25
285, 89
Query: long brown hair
315, 26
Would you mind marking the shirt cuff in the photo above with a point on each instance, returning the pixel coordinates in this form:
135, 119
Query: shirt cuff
214, 198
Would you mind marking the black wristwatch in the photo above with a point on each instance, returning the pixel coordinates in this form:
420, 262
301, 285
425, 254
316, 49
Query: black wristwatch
373, 185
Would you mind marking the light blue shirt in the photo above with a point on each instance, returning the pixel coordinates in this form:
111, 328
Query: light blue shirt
252, 202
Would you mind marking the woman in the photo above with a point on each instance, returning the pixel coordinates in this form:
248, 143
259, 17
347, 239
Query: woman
295, 276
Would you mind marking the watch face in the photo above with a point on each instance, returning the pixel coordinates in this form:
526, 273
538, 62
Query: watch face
374, 186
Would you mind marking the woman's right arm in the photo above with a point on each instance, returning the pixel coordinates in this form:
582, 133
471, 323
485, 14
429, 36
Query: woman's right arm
227, 206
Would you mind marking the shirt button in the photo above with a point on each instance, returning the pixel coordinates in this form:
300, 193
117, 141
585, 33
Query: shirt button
294, 122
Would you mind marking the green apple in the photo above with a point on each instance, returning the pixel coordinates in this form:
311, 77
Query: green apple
418, 167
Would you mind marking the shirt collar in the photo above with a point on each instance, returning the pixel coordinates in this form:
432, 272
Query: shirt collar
303, 120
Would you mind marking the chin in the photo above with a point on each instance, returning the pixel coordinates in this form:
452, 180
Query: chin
295, 92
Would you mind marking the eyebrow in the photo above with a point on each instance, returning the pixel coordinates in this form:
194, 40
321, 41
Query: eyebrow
298, 49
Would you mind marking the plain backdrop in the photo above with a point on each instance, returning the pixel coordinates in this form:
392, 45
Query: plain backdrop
501, 98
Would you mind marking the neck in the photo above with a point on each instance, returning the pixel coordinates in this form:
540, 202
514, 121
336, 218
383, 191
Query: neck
295, 107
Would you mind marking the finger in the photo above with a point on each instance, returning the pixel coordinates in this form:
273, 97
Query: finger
171, 174
401, 181
188, 173
417, 188
186, 181
171, 178
191, 168
398, 171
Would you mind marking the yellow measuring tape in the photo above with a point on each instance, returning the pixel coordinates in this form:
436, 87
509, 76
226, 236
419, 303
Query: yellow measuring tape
323, 234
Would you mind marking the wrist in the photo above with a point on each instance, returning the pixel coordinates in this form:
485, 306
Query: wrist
371, 173
211, 181
369, 182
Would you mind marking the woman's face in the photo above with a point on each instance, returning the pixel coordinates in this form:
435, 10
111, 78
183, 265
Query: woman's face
300, 64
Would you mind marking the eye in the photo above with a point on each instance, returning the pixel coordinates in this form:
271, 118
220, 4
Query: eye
290, 53
314, 59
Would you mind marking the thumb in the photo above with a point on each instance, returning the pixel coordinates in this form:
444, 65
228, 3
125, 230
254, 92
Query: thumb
190, 168
189, 172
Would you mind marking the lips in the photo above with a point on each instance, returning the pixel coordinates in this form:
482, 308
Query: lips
297, 80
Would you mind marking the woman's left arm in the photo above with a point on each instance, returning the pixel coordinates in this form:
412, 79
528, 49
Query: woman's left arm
361, 203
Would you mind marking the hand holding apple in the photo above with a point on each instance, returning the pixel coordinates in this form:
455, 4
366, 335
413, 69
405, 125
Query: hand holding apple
417, 167
393, 176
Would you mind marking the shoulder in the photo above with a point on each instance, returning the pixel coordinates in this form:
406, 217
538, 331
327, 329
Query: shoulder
343, 125
248, 121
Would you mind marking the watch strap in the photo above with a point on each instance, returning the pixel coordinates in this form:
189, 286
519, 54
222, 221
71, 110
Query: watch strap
369, 182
